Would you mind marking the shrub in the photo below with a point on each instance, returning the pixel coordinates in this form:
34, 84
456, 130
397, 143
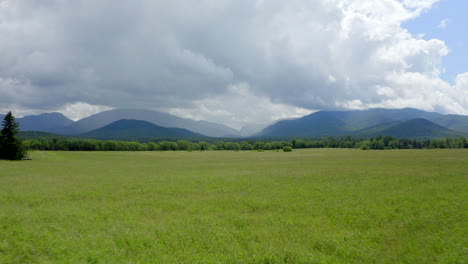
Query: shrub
287, 149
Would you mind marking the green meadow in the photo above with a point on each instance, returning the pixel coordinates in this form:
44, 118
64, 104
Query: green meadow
307, 206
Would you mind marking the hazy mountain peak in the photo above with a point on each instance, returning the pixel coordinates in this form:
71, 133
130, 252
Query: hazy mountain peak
318, 124
155, 117
47, 122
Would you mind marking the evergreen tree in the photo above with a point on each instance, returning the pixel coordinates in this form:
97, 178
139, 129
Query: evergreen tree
10, 145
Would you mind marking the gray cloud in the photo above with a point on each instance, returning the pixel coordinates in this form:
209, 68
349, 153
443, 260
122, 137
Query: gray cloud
183, 57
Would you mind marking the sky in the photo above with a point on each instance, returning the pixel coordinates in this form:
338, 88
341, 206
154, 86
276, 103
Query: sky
234, 62
447, 21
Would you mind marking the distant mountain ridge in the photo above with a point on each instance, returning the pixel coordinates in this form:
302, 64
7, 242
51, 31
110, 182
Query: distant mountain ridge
129, 129
418, 128
454, 122
358, 119
48, 122
319, 124
355, 122
359, 123
155, 117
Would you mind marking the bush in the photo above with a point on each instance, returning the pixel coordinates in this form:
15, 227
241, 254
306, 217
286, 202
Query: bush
365, 147
287, 149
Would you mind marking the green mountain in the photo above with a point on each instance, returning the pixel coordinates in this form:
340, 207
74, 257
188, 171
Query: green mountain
59, 124
359, 119
339, 123
315, 125
139, 130
319, 124
39, 135
158, 118
454, 122
418, 128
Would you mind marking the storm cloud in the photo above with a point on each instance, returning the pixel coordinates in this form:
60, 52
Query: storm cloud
231, 61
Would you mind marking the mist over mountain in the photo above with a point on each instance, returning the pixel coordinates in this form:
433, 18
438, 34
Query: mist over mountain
253, 129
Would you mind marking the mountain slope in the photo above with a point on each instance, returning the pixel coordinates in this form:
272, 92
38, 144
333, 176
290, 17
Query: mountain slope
418, 128
39, 135
359, 119
315, 125
49, 122
157, 118
127, 129
251, 129
337, 123
454, 122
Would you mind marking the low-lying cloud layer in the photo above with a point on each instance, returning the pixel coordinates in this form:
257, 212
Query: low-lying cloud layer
231, 61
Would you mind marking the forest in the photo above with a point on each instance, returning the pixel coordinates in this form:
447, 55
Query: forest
377, 143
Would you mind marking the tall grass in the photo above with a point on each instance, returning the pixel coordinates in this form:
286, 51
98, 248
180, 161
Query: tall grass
310, 206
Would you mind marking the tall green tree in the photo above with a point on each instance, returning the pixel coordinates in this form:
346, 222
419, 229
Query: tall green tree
10, 145
293, 143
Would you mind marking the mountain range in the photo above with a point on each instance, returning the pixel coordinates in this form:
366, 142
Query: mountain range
59, 124
418, 128
128, 130
404, 123
126, 124
454, 122
155, 117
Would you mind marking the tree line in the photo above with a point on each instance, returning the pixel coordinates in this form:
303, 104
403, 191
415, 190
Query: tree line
12, 148
380, 143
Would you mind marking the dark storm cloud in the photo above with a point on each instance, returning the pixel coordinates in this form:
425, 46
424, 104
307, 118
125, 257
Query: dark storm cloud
180, 54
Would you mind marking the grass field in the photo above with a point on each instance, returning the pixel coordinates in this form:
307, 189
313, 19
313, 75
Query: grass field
308, 206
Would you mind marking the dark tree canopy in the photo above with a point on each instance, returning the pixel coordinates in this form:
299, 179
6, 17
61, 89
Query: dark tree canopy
10, 145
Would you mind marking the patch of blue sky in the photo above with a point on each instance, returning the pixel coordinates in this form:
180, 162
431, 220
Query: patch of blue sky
447, 21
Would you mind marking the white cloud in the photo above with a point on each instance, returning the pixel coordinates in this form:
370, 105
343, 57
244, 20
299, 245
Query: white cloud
239, 107
78, 110
443, 24
285, 56
421, 91
74, 111
460, 92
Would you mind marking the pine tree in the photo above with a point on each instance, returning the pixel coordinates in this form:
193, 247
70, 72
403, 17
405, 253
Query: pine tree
10, 145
